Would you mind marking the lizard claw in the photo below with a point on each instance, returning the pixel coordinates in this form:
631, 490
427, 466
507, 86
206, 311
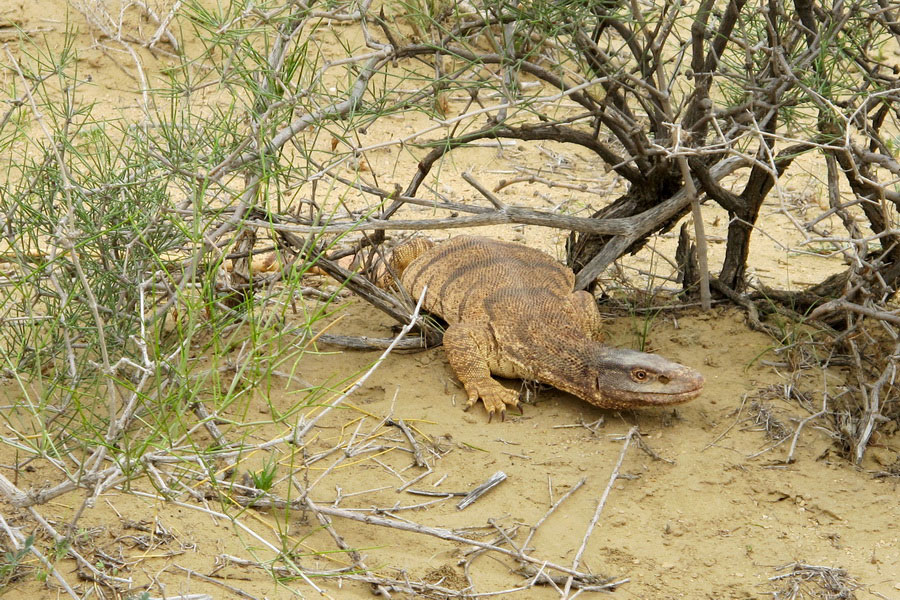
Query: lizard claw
502, 412
495, 398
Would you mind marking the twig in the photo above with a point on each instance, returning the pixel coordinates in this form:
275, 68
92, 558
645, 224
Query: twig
212, 580
550, 511
417, 452
600, 504
643, 445
301, 433
534, 178
492, 482
416, 479
873, 403
645, 222
362, 342
843, 304
509, 214
332, 111
748, 305
18, 540
790, 456
484, 191
737, 414
699, 233
416, 588
593, 426
591, 583
439, 494
242, 526
210, 424
326, 523
443, 534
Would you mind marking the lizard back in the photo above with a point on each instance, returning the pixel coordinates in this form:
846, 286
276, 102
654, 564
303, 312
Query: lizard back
472, 278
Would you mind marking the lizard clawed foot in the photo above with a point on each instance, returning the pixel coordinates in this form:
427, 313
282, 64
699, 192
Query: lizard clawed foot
494, 396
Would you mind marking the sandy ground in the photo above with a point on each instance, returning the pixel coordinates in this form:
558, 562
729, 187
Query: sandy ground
708, 509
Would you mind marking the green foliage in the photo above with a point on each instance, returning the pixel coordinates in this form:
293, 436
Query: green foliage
264, 478
10, 568
120, 316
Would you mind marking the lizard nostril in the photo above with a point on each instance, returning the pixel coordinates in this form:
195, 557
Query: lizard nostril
663, 379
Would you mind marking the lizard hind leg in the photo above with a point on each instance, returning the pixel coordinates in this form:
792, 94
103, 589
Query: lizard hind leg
468, 348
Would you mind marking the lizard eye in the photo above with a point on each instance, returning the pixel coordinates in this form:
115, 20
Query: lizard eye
639, 375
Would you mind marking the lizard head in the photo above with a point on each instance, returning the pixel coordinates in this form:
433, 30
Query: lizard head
619, 378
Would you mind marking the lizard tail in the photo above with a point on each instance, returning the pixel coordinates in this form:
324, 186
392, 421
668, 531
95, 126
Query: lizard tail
401, 257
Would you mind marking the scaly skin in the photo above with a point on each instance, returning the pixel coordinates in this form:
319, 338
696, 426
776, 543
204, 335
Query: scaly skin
511, 311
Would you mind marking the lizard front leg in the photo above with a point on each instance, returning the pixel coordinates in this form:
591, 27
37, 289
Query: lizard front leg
469, 349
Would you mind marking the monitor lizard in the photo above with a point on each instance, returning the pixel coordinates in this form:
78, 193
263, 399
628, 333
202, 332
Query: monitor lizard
512, 312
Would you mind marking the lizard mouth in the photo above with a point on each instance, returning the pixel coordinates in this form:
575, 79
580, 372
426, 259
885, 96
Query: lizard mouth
690, 384
658, 398
620, 399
